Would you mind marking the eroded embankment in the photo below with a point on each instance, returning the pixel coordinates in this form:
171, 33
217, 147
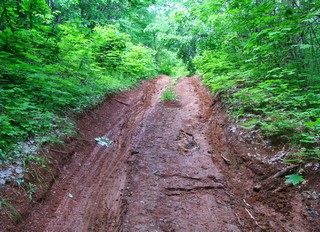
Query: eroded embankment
262, 201
172, 166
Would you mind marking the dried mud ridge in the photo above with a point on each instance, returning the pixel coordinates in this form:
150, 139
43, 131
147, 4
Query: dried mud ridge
172, 166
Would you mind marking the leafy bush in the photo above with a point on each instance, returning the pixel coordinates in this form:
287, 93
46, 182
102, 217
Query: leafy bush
264, 58
110, 46
285, 110
138, 62
170, 65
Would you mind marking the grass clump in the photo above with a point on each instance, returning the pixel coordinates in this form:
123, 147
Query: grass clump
10, 210
169, 95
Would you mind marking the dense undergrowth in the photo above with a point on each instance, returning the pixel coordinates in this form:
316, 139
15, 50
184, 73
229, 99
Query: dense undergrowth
264, 58
284, 111
46, 80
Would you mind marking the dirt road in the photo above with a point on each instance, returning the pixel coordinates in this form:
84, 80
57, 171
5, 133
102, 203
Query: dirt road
172, 166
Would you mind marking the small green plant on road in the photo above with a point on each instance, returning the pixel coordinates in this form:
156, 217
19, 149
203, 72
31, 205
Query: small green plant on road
168, 94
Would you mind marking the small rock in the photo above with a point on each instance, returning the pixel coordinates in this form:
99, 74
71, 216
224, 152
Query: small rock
6, 173
257, 188
308, 165
314, 195
233, 129
18, 170
18, 162
312, 212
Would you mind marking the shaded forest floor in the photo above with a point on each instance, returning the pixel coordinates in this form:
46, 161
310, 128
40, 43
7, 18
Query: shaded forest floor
172, 166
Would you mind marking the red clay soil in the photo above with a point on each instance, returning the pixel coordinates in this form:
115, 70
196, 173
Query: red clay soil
172, 166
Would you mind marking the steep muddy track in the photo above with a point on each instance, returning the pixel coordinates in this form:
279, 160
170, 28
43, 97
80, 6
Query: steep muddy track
172, 166
173, 184
97, 174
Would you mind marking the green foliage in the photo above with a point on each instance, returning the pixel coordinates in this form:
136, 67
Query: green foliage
251, 123
31, 190
286, 113
168, 94
51, 70
219, 82
212, 62
138, 62
264, 58
166, 39
10, 210
30, 158
294, 179
170, 65
111, 45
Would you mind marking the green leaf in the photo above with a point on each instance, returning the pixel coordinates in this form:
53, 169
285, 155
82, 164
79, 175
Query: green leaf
315, 123
305, 46
294, 179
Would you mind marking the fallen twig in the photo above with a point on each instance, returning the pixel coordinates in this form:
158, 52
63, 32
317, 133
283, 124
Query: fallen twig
246, 203
226, 160
284, 171
85, 140
252, 217
54, 150
121, 102
281, 188
229, 194
239, 220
